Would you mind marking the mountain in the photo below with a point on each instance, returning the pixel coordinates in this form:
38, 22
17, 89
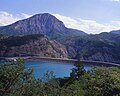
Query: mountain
45, 24
115, 32
45, 35
17, 37
31, 45
99, 47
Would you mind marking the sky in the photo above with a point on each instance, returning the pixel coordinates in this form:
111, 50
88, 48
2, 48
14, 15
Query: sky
91, 16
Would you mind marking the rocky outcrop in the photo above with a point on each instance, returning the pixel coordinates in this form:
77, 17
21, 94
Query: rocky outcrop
42, 47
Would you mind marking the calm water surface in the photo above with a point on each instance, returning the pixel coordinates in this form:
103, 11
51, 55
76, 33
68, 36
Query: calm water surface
59, 69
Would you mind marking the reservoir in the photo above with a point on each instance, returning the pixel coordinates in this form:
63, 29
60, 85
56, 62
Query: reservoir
59, 69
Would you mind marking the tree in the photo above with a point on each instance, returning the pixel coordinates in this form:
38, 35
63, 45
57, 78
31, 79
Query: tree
78, 71
15, 80
102, 81
13, 77
74, 89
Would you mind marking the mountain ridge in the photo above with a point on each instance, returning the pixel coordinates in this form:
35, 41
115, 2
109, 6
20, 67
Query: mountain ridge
71, 43
46, 24
115, 31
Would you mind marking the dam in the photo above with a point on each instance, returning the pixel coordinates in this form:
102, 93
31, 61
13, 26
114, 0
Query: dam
62, 60
65, 60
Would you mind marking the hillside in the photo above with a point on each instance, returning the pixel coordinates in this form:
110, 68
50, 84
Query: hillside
116, 31
101, 47
53, 39
31, 45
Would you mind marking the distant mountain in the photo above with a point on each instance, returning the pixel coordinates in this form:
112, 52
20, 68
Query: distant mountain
115, 32
45, 24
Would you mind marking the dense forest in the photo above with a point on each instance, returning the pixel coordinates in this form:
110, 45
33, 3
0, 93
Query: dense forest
15, 80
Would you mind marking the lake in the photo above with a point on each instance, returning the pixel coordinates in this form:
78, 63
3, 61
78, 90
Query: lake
59, 69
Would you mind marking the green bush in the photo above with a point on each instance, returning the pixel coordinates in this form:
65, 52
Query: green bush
15, 80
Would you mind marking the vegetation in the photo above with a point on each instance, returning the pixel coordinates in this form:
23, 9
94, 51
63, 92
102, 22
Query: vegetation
78, 71
102, 82
15, 80
18, 40
105, 45
89, 45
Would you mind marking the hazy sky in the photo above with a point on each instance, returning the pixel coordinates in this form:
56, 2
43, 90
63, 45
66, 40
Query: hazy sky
92, 16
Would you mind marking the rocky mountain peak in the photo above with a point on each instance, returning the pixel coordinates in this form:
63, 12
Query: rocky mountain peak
40, 23
45, 24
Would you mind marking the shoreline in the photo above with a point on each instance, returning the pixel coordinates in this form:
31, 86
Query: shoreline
59, 62
64, 60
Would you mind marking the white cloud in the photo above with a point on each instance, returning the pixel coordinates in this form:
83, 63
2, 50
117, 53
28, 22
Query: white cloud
7, 18
116, 23
88, 26
115, 0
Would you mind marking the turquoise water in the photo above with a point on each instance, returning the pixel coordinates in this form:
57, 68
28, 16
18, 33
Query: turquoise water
59, 69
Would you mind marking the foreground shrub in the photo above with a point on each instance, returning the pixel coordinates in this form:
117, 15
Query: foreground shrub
102, 81
15, 80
